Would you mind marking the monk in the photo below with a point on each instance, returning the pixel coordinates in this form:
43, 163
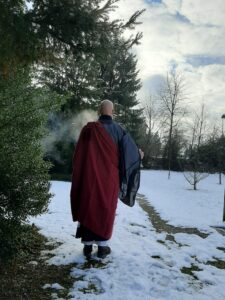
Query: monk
97, 179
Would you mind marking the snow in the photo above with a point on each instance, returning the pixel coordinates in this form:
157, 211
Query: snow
53, 286
178, 203
143, 263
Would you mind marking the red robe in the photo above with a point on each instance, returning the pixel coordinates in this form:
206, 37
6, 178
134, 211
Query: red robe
95, 180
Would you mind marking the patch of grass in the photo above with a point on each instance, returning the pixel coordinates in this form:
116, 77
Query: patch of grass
93, 287
94, 263
90, 289
24, 277
161, 241
156, 256
219, 264
171, 238
220, 230
190, 270
138, 225
221, 249
136, 232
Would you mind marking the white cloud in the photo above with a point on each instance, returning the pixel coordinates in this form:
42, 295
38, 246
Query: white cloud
204, 11
175, 30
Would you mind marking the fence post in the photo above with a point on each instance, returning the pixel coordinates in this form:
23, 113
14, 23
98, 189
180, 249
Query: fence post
224, 208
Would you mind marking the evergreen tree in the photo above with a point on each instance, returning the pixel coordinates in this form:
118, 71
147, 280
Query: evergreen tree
212, 154
50, 29
24, 180
109, 71
120, 83
19, 43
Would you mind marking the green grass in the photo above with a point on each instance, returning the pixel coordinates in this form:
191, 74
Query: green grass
23, 277
189, 271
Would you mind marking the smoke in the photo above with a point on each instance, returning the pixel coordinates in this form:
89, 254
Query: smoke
78, 122
65, 131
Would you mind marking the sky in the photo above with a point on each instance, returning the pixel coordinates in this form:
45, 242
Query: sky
188, 35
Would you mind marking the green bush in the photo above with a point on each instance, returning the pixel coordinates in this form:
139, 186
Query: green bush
24, 179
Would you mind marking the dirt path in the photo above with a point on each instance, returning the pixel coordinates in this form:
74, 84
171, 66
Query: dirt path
160, 225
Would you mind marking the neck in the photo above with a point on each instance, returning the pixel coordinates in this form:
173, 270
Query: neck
106, 115
103, 116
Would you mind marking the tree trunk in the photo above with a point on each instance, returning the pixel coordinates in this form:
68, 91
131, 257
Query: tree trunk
224, 208
195, 181
169, 145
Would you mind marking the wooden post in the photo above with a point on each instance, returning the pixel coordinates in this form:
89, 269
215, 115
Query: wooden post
224, 208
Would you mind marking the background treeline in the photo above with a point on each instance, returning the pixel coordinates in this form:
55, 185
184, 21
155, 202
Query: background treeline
179, 138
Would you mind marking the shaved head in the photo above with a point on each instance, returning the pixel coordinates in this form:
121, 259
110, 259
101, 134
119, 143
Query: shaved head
106, 108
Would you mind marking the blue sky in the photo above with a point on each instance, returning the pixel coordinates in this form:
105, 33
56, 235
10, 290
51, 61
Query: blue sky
153, 1
204, 60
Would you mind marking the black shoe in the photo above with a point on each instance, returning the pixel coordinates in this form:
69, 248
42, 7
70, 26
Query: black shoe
87, 251
103, 251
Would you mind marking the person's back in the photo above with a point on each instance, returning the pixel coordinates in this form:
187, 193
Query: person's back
113, 128
95, 180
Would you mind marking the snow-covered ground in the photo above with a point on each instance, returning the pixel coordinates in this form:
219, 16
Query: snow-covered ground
177, 202
144, 264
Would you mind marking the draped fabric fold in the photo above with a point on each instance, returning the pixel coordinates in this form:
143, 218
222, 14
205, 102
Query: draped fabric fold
129, 170
95, 180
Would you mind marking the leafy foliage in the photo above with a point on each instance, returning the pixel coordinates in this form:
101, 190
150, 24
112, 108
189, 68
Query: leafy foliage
24, 180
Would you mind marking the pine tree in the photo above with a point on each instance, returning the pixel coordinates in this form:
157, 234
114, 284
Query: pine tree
120, 83
19, 42
107, 70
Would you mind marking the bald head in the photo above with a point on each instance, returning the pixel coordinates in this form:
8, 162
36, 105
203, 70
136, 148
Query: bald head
106, 108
